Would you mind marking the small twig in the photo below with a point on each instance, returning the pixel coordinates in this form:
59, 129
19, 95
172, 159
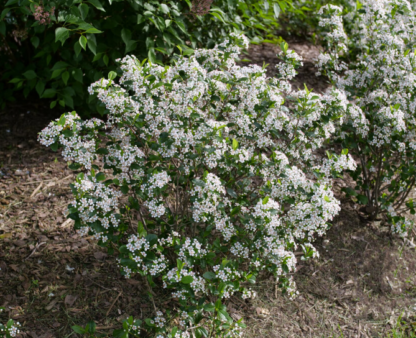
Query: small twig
36, 190
114, 301
65, 178
152, 293
33, 182
34, 250
194, 327
100, 285
106, 327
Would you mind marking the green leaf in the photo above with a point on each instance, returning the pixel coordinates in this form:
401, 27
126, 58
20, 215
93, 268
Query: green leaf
30, 74
363, 199
77, 48
65, 77
141, 230
40, 87
61, 34
112, 75
77, 74
209, 307
92, 43
344, 152
53, 104
74, 166
265, 200
199, 183
83, 42
276, 9
10, 2
49, 93
97, 4
90, 328
120, 333
78, 329
181, 25
83, 10
3, 13
35, 41
60, 65
218, 16
201, 332
62, 120
105, 59
326, 198
15, 80
100, 177
235, 144
164, 8
152, 56
223, 316
93, 30
69, 101
97, 57
285, 268
187, 279
126, 35
179, 265
209, 275
56, 73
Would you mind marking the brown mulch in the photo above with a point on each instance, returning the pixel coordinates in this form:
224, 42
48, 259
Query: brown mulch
267, 53
51, 279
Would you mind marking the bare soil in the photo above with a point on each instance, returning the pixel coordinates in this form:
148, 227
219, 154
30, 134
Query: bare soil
51, 279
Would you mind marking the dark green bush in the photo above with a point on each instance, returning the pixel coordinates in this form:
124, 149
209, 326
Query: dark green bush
57, 48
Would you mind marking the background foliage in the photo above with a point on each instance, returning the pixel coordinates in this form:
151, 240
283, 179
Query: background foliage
57, 48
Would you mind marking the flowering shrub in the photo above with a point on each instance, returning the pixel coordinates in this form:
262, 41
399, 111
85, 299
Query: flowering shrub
204, 175
379, 83
11, 329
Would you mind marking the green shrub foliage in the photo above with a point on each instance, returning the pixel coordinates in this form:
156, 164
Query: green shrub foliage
56, 48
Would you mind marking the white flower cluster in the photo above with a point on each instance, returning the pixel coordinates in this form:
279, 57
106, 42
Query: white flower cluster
249, 294
75, 136
141, 254
11, 329
175, 276
96, 203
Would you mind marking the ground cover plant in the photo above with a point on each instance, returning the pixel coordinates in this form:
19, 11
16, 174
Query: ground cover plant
378, 77
57, 48
204, 175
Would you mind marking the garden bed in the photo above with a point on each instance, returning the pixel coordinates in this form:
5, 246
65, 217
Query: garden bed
51, 279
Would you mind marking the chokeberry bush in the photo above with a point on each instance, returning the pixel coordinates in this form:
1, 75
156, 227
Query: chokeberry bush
378, 78
55, 49
204, 175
